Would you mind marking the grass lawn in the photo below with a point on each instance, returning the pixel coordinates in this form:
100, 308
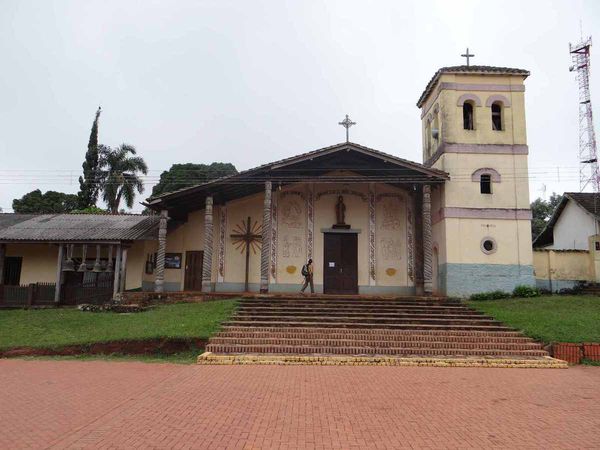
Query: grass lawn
50, 328
549, 319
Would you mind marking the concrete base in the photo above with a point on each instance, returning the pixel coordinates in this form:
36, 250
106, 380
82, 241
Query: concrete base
462, 280
209, 358
148, 286
556, 285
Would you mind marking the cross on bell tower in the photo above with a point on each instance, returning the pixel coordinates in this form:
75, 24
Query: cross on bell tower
468, 56
347, 123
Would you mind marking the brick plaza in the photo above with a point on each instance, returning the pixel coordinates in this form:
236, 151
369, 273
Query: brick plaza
97, 404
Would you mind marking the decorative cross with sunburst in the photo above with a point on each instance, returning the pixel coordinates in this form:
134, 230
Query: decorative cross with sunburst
246, 238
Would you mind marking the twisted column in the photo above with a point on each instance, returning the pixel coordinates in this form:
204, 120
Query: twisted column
427, 242
208, 246
265, 249
159, 272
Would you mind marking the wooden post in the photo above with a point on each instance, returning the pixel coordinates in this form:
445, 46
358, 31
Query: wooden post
427, 242
30, 293
97, 265
117, 272
123, 277
208, 246
265, 250
59, 266
2, 259
159, 272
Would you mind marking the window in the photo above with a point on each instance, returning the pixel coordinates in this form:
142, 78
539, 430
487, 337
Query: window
468, 116
488, 245
435, 131
496, 116
485, 183
12, 270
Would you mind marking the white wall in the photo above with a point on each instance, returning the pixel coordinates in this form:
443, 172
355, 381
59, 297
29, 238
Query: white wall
572, 229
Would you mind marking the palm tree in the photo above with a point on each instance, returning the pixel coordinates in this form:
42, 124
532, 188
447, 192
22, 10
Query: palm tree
120, 175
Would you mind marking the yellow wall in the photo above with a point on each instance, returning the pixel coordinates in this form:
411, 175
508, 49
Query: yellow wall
39, 261
463, 245
563, 265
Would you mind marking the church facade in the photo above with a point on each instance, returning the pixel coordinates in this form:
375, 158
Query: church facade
373, 223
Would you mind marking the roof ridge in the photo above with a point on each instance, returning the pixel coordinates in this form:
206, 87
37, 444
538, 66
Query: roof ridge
289, 159
498, 70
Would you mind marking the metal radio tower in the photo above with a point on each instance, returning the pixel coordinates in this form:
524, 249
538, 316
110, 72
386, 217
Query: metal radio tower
588, 158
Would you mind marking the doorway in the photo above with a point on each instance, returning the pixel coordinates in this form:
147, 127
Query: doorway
193, 271
340, 263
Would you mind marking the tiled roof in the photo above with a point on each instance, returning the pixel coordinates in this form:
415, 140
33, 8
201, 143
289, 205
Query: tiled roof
302, 157
589, 201
76, 227
483, 70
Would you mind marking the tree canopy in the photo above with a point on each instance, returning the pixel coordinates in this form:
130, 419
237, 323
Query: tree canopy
47, 203
541, 211
180, 176
88, 183
119, 174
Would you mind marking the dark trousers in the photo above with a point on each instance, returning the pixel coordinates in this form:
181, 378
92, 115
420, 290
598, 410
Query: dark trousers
308, 280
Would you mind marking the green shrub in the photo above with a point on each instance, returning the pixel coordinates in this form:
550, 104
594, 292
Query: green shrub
525, 291
491, 295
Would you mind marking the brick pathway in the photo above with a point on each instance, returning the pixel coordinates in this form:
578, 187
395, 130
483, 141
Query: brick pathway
69, 404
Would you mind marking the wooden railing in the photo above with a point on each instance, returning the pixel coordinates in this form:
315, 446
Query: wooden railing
35, 294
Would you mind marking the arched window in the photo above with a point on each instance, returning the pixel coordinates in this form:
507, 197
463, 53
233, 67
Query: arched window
435, 130
497, 116
468, 118
485, 183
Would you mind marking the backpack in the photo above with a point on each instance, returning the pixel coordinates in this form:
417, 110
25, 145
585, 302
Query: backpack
305, 270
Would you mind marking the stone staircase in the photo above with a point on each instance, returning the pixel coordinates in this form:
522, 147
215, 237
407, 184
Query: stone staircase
406, 331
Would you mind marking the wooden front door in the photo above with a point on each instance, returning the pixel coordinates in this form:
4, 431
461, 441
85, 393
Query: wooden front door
340, 263
193, 270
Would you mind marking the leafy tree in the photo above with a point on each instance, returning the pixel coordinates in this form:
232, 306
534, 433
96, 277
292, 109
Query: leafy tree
119, 175
50, 202
541, 211
90, 210
88, 183
180, 176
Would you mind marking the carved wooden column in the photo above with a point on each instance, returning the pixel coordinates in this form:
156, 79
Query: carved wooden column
427, 242
2, 259
59, 265
265, 250
123, 276
159, 273
208, 246
117, 272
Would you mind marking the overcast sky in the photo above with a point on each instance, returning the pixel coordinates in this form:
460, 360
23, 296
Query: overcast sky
249, 82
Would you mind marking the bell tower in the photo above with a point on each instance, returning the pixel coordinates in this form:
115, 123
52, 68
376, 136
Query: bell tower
473, 128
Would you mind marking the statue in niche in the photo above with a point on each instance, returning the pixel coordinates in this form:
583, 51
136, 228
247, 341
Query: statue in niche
340, 214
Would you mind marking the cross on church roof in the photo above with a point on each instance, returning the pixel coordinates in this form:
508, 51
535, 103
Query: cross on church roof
347, 123
467, 55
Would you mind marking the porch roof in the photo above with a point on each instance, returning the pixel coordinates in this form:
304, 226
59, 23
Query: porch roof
365, 164
76, 227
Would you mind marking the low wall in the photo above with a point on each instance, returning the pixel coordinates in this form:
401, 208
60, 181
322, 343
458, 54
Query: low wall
574, 353
558, 269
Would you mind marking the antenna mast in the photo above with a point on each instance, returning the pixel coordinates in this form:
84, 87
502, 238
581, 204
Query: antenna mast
588, 158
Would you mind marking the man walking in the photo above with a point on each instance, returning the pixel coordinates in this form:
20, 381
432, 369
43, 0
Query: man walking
307, 273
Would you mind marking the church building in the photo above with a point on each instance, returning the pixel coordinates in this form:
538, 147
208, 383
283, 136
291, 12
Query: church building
373, 223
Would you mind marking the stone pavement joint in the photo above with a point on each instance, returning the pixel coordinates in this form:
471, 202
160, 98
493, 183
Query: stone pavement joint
98, 404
